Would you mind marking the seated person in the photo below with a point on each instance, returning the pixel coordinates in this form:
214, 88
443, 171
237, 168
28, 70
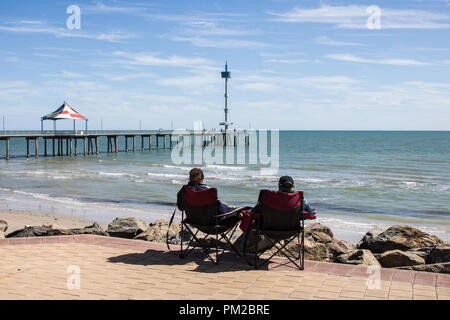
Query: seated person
196, 182
286, 184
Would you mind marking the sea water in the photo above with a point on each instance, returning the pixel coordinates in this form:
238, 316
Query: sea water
355, 179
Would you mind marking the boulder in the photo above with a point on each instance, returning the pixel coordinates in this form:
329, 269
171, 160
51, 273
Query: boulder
398, 238
358, 256
157, 232
320, 245
317, 227
262, 241
93, 229
126, 227
439, 254
30, 231
422, 252
443, 267
53, 230
397, 258
3, 226
368, 237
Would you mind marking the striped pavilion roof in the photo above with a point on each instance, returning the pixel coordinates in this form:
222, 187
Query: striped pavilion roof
64, 112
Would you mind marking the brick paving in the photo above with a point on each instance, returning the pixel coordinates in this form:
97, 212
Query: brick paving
112, 268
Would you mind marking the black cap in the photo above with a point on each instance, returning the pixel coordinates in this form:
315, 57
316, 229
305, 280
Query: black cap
286, 181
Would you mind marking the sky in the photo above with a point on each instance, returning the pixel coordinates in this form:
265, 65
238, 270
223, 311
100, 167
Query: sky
295, 65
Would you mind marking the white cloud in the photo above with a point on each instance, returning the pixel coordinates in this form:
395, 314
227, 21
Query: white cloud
287, 61
100, 8
327, 41
396, 62
44, 28
195, 84
219, 43
355, 16
150, 59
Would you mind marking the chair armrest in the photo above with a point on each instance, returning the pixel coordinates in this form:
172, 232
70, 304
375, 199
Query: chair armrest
234, 211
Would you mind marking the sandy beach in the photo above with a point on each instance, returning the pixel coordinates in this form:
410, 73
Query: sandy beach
18, 219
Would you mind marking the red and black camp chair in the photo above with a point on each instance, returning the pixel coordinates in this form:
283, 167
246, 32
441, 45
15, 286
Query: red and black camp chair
202, 213
280, 218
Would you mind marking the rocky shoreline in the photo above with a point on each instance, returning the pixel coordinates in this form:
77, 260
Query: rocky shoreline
398, 246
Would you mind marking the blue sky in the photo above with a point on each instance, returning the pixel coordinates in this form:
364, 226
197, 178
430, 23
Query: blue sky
306, 65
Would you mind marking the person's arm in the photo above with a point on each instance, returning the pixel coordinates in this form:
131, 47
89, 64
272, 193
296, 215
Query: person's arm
307, 208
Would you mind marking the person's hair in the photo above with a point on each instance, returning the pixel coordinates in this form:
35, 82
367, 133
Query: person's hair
286, 184
195, 176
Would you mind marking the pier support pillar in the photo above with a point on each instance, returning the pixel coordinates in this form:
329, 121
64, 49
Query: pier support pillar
28, 148
36, 147
96, 145
134, 143
7, 148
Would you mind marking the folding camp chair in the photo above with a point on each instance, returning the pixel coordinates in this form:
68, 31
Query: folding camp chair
280, 217
202, 213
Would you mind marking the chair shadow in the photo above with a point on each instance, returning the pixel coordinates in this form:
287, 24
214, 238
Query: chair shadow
228, 262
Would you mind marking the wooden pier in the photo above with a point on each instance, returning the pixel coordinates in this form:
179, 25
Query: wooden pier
91, 141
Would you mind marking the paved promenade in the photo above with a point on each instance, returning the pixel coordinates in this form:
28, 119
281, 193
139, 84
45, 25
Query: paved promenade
94, 267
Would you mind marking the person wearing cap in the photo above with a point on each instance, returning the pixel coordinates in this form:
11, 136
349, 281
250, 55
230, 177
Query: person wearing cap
196, 178
286, 184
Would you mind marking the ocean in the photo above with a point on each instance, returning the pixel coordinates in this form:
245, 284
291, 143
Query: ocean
355, 179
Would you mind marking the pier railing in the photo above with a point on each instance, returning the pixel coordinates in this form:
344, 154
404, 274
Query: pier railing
90, 140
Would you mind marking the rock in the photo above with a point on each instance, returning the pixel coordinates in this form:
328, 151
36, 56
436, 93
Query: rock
317, 227
358, 256
443, 267
320, 245
398, 238
53, 230
3, 226
316, 251
372, 233
439, 254
30, 231
397, 258
126, 227
157, 232
345, 245
94, 229
262, 241
422, 252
